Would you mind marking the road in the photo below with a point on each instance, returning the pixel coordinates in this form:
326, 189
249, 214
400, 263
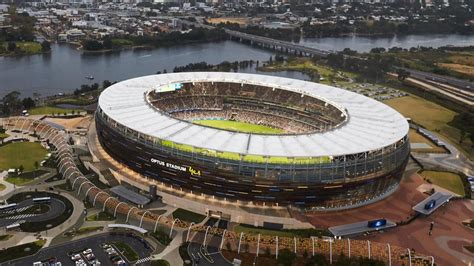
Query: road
459, 83
454, 160
61, 251
56, 208
199, 259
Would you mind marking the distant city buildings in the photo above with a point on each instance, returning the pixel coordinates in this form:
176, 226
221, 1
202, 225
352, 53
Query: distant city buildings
75, 20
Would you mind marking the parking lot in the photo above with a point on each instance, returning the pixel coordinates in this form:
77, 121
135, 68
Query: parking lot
88, 250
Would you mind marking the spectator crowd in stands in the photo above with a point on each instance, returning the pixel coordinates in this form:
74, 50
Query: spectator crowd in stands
290, 111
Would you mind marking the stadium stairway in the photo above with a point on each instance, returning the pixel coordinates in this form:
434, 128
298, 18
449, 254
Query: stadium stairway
109, 177
296, 214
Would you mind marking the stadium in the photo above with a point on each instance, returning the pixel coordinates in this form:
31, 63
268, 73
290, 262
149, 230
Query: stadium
256, 139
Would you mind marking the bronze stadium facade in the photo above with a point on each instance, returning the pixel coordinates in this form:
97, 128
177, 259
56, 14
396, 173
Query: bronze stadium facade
337, 149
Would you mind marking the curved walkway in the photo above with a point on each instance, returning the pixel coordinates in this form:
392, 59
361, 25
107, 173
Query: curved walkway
454, 160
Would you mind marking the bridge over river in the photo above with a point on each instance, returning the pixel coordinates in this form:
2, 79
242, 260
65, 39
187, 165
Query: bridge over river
283, 46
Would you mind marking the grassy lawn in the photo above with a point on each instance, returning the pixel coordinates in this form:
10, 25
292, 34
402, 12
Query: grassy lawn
21, 250
85, 230
255, 230
49, 110
126, 250
239, 126
463, 69
428, 114
4, 135
24, 48
95, 180
307, 66
416, 137
189, 216
121, 42
162, 237
2, 187
5, 237
21, 153
101, 216
432, 116
25, 177
447, 180
29, 47
87, 98
456, 63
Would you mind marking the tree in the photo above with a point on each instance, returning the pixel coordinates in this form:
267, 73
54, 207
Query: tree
28, 103
106, 84
11, 46
21, 168
377, 50
11, 103
45, 46
286, 257
402, 74
107, 43
92, 45
95, 86
336, 60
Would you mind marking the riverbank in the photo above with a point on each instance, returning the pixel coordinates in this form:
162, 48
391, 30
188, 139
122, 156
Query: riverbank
15, 49
162, 39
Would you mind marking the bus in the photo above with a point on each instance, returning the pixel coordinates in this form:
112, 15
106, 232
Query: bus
42, 200
8, 207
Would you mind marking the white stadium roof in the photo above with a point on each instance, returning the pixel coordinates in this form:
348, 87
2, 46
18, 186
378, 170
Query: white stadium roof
371, 124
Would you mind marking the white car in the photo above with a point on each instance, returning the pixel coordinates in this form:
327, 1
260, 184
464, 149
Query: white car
87, 251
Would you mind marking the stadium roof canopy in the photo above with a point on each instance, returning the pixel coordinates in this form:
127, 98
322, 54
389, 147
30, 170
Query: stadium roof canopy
371, 125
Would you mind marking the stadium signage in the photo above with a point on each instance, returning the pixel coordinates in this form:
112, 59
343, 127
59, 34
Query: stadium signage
194, 172
189, 169
168, 165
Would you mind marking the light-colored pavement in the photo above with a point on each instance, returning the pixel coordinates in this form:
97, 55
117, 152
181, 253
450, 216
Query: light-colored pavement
456, 250
8, 186
454, 160
171, 252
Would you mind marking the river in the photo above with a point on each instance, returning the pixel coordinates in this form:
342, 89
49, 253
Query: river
65, 68
365, 44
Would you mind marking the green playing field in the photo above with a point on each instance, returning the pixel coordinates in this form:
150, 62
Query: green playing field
239, 126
